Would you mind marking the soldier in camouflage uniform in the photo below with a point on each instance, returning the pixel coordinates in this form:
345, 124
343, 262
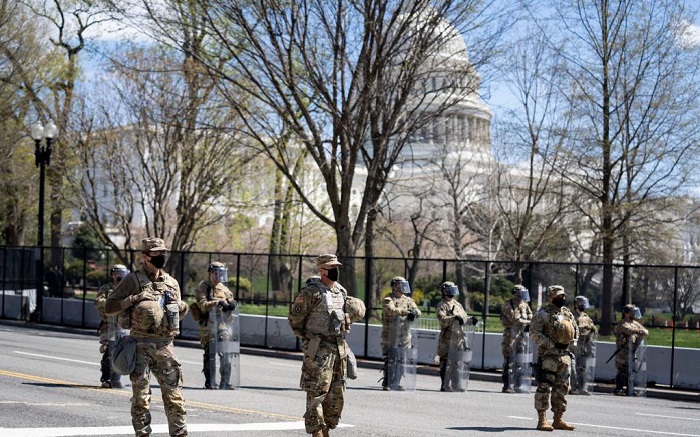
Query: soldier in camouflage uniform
516, 316
109, 379
214, 294
398, 311
452, 317
553, 329
148, 302
318, 317
627, 330
585, 347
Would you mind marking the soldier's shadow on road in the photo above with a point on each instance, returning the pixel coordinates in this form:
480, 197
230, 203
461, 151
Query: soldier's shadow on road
489, 428
56, 385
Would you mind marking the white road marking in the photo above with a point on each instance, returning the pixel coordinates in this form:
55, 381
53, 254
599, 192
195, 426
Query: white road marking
156, 429
667, 417
640, 431
58, 358
57, 404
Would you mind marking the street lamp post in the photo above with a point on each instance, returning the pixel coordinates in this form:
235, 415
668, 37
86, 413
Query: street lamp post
42, 158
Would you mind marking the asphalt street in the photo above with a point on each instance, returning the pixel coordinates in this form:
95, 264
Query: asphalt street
49, 386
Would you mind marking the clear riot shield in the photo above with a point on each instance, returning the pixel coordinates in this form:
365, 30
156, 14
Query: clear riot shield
459, 358
521, 364
585, 365
403, 355
114, 333
637, 368
225, 344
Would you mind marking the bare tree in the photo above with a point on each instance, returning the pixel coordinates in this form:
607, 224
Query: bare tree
344, 79
162, 144
531, 197
635, 100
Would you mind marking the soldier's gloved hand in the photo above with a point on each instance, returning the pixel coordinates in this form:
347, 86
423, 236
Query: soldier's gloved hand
232, 305
411, 316
459, 320
527, 328
222, 303
474, 321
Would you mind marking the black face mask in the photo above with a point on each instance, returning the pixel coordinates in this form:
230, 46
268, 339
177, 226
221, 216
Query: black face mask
158, 261
332, 274
581, 307
559, 301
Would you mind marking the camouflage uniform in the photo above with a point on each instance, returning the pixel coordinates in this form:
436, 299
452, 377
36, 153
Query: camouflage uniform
318, 317
208, 298
154, 334
515, 318
392, 308
585, 348
553, 330
396, 327
446, 311
108, 378
626, 331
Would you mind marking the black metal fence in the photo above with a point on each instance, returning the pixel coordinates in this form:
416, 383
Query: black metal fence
265, 284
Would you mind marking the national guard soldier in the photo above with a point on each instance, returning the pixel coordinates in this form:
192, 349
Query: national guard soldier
452, 318
516, 316
218, 328
108, 328
553, 329
629, 339
148, 302
583, 361
399, 331
319, 318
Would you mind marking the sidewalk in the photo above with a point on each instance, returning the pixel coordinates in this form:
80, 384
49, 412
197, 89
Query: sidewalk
477, 375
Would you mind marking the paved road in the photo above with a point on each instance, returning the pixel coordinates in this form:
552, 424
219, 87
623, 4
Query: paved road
49, 387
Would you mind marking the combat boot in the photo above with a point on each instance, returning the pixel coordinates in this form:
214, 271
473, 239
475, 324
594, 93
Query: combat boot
317, 433
542, 423
326, 431
560, 424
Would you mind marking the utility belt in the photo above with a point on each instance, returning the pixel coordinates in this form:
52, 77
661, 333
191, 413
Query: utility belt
557, 351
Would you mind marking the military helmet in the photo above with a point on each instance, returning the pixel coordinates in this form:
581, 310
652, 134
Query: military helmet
449, 288
397, 279
555, 290
634, 309
354, 308
216, 265
582, 302
399, 283
117, 268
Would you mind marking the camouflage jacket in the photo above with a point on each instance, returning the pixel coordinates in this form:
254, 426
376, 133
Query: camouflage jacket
515, 315
208, 298
552, 326
146, 317
310, 313
395, 324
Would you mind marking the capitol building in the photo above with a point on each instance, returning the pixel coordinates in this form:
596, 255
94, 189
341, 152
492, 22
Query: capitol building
454, 129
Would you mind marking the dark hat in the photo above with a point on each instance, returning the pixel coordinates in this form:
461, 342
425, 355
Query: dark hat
153, 245
327, 259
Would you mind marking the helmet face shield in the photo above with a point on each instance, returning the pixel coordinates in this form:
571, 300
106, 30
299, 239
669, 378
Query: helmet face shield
523, 294
219, 274
119, 272
451, 290
402, 286
582, 303
636, 313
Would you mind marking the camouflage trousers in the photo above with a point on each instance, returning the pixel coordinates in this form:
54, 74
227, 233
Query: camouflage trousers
323, 379
556, 370
160, 359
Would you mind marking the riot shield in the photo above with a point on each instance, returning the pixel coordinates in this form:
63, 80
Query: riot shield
114, 333
520, 367
225, 344
585, 364
459, 358
403, 355
637, 368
